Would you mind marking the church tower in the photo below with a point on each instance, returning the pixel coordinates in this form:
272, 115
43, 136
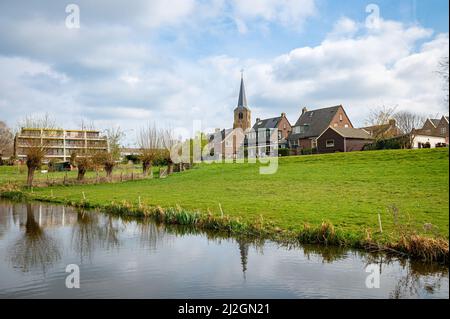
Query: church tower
242, 114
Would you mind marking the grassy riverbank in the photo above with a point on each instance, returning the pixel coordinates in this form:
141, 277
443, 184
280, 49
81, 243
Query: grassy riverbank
333, 198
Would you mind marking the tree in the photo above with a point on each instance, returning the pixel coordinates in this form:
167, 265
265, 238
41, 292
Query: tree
6, 140
44, 121
443, 72
381, 115
168, 142
35, 153
73, 158
105, 160
83, 164
408, 122
114, 135
36, 149
149, 141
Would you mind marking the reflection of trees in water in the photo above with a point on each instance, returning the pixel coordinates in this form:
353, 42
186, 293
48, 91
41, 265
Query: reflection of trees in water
89, 232
5, 213
419, 276
34, 248
111, 235
150, 233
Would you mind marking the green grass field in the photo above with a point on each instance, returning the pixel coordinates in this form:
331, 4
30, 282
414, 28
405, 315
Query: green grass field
346, 189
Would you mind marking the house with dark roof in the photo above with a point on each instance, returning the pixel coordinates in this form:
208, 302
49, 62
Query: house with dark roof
342, 139
311, 124
260, 140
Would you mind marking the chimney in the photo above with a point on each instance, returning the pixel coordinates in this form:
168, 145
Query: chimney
283, 114
304, 110
392, 122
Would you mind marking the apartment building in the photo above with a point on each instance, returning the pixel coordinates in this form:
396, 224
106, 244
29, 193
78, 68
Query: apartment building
59, 143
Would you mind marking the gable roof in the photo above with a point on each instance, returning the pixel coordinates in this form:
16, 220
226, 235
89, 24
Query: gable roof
316, 121
434, 122
379, 130
349, 132
267, 123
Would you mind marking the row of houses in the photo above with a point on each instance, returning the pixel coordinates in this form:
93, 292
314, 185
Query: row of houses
325, 130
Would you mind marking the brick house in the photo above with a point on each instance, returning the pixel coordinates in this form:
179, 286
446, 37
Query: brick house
264, 132
313, 123
436, 127
342, 139
384, 131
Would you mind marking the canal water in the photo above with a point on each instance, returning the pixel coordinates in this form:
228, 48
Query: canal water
137, 258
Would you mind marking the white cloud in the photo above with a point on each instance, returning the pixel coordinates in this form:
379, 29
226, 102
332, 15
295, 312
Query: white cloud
344, 27
116, 79
292, 13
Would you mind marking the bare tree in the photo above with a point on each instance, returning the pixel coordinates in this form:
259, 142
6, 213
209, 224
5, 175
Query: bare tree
443, 72
86, 125
150, 143
381, 115
36, 149
168, 142
105, 160
44, 121
6, 140
408, 122
114, 136
84, 162
35, 152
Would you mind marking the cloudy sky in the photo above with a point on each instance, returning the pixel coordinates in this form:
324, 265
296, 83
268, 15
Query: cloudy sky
176, 61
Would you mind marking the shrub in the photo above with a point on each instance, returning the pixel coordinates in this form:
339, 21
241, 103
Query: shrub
283, 152
308, 151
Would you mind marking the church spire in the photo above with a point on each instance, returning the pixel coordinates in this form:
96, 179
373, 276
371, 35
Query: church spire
242, 102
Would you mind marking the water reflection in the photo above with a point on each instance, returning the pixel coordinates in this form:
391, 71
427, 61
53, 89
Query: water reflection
34, 248
36, 235
91, 231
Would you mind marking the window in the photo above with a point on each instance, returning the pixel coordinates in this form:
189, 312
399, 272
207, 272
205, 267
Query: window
443, 130
335, 124
346, 125
240, 115
330, 143
279, 135
340, 117
284, 126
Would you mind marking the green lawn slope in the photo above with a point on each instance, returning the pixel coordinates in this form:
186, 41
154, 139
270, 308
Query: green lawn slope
406, 187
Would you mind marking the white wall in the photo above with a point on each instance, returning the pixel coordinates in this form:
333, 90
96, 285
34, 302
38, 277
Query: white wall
433, 140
